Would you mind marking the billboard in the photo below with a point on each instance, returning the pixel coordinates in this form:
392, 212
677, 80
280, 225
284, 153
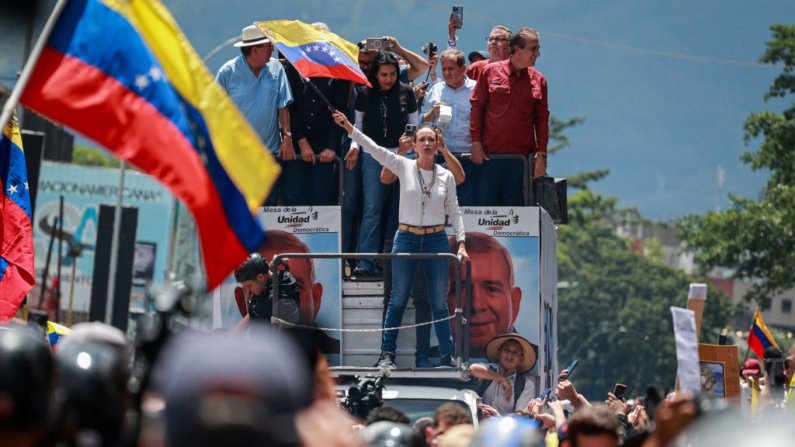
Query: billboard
503, 246
300, 229
84, 188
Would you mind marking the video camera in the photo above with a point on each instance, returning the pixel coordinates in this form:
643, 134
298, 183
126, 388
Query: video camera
365, 395
429, 49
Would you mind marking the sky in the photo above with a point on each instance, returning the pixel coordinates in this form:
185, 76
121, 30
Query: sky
664, 86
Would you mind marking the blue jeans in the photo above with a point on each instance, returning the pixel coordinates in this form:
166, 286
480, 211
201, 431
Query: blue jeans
352, 195
374, 195
403, 271
500, 183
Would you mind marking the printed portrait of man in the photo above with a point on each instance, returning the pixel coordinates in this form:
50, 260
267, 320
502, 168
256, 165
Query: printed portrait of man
311, 292
495, 299
278, 242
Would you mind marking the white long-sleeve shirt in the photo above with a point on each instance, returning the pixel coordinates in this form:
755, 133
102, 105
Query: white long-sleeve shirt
443, 193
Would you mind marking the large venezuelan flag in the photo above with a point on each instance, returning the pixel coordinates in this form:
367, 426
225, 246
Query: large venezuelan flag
759, 337
16, 242
314, 52
122, 73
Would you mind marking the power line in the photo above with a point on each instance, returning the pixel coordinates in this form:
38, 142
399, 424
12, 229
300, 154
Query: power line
611, 45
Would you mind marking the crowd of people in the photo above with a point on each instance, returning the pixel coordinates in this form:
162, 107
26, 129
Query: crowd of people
488, 120
496, 105
212, 389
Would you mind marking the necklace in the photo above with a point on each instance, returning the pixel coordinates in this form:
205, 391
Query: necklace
383, 116
426, 189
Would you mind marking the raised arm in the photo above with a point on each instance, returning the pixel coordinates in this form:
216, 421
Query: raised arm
453, 165
383, 156
388, 177
417, 64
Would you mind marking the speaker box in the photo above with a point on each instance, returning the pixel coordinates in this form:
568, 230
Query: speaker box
124, 266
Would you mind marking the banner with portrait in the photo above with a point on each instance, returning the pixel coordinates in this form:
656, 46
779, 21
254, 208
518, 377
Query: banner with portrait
503, 244
299, 229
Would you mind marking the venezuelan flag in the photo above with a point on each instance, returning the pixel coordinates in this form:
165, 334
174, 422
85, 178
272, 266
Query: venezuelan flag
54, 333
122, 73
16, 244
314, 52
759, 337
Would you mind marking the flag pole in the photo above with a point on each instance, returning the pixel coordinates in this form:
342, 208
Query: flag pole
748, 351
13, 99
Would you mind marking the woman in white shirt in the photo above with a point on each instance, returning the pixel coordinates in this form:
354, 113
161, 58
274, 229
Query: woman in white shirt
427, 192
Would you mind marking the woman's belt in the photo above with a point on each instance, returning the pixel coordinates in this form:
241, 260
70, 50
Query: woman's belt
421, 230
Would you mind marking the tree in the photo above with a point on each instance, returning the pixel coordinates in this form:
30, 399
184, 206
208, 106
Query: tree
756, 238
614, 316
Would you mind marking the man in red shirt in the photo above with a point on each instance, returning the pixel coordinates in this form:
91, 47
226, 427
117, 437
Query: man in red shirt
510, 114
498, 50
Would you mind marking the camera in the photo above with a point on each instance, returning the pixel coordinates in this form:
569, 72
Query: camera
376, 44
429, 49
365, 395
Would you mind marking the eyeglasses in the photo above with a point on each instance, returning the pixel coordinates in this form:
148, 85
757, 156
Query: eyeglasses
496, 39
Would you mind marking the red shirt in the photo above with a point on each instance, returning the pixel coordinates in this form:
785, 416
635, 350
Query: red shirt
473, 72
510, 112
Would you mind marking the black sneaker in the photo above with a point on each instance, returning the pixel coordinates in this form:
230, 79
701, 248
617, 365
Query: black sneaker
387, 360
422, 361
447, 361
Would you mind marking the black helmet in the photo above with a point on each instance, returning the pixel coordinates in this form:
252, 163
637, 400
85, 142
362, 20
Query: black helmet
391, 434
91, 392
251, 267
26, 378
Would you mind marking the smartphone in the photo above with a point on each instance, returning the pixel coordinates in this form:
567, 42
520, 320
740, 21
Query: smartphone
458, 13
619, 391
543, 396
654, 395
376, 44
410, 129
570, 368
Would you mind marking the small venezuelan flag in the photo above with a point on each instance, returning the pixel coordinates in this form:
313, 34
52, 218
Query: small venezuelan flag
314, 52
759, 337
122, 73
16, 228
54, 333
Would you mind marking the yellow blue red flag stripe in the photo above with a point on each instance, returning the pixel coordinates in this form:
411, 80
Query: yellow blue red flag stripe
17, 275
759, 337
55, 332
122, 73
314, 52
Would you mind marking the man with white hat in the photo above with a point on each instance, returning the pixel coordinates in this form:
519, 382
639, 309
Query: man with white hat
258, 86
503, 385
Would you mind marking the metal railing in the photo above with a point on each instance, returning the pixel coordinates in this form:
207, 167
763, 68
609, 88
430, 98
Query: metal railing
462, 314
527, 191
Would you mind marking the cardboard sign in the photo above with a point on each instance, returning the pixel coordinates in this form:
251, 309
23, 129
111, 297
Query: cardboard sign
720, 363
686, 350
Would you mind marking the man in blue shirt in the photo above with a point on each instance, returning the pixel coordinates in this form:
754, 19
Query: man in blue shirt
258, 86
454, 92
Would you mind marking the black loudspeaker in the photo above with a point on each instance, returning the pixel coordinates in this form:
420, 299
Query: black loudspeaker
563, 201
33, 144
124, 266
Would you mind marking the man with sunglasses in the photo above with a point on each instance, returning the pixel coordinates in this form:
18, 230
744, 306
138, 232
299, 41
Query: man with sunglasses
258, 86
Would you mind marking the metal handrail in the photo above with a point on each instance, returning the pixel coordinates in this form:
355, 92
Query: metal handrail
462, 349
526, 190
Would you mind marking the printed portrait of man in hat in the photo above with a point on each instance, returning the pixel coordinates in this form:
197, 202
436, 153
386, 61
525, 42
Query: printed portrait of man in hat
502, 384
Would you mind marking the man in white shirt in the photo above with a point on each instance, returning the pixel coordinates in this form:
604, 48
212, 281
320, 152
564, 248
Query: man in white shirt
503, 385
454, 92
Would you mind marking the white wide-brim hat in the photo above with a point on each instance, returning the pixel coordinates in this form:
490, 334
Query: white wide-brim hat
530, 351
252, 35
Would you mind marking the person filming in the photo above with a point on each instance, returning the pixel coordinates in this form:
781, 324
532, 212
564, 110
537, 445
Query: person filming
255, 276
427, 192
